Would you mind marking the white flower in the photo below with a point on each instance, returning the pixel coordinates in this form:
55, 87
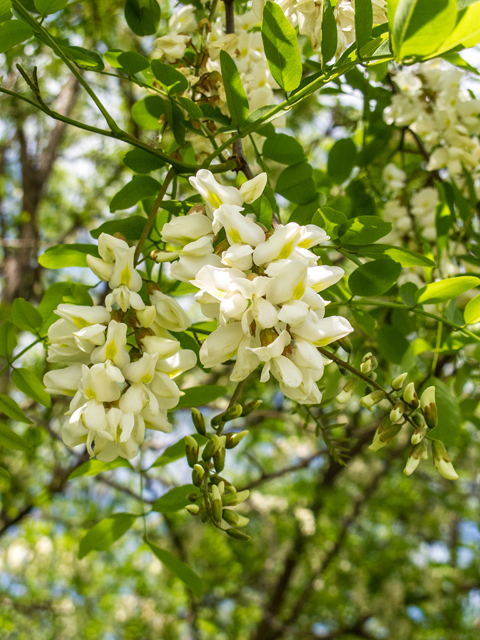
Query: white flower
221, 344
170, 314
183, 20
125, 298
321, 332
228, 43
214, 193
253, 189
288, 283
239, 228
174, 365
172, 46
124, 272
184, 229
64, 382
114, 347
238, 256
82, 316
280, 244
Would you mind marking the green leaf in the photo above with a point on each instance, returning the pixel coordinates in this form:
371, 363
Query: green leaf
8, 338
94, 467
130, 227
466, 32
174, 500
84, 59
283, 149
174, 117
449, 413
235, 93
405, 257
329, 33
105, 533
341, 160
200, 396
295, 183
445, 289
364, 320
330, 220
407, 293
11, 440
472, 311
392, 344
130, 61
176, 451
180, 569
4, 474
46, 7
5, 10
171, 79
263, 211
142, 16
67, 255
142, 162
420, 27
364, 230
137, 189
374, 278
12, 33
363, 22
148, 111
281, 47
25, 316
10, 408
31, 386
58, 293
191, 107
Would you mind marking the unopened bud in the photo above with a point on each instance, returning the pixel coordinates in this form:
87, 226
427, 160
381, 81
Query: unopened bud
250, 407
235, 439
384, 435
234, 518
396, 413
232, 413
410, 395
345, 344
348, 391
418, 435
429, 408
191, 451
147, 316
397, 383
238, 535
216, 504
210, 448
164, 256
198, 421
232, 499
193, 509
441, 460
372, 399
219, 455
197, 475
415, 455
369, 363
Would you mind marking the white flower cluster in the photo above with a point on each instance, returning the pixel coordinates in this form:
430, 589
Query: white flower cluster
262, 288
431, 101
308, 16
120, 361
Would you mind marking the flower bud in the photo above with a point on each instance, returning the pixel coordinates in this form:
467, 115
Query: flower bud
372, 399
348, 391
238, 535
397, 383
191, 451
410, 395
429, 408
194, 509
210, 448
234, 518
385, 433
418, 435
415, 455
234, 439
232, 413
396, 413
147, 316
197, 475
193, 496
164, 256
369, 363
219, 455
216, 504
441, 460
345, 344
250, 407
198, 421
232, 499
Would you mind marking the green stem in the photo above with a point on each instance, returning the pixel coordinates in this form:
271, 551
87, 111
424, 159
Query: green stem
10, 362
153, 212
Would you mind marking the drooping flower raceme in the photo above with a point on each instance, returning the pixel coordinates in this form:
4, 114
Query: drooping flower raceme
121, 359
261, 286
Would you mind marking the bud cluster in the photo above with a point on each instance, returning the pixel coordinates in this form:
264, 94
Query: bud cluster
216, 495
120, 359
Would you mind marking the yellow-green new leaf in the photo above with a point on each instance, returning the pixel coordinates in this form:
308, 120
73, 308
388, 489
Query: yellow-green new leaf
445, 289
472, 311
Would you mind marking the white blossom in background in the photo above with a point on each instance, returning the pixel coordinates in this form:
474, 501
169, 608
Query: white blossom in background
120, 384
261, 286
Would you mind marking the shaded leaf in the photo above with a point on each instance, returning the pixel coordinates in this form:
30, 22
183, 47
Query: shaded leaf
142, 16
67, 255
93, 467
174, 500
200, 396
180, 569
137, 189
281, 47
105, 533
31, 386
374, 278
11, 440
10, 408
235, 93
